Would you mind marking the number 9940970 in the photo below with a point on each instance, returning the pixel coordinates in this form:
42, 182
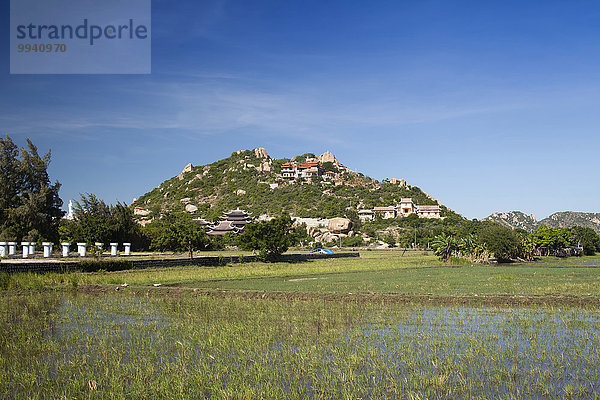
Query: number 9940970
42, 48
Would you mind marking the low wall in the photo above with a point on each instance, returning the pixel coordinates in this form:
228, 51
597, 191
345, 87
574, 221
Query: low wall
122, 263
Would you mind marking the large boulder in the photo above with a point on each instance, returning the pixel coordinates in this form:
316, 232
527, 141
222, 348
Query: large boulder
339, 225
328, 157
187, 168
265, 168
261, 153
142, 212
191, 208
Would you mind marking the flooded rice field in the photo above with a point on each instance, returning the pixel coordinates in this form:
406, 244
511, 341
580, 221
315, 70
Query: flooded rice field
124, 346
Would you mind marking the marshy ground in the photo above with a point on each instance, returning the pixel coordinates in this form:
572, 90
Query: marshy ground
382, 326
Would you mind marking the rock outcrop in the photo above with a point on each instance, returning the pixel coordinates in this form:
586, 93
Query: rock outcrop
339, 225
265, 168
142, 212
261, 153
191, 208
187, 168
327, 157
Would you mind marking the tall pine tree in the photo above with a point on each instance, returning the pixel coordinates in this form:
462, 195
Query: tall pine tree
30, 207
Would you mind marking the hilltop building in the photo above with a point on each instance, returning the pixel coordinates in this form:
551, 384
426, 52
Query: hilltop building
312, 166
291, 171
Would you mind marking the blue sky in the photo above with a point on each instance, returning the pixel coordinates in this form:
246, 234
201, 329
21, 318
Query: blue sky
488, 106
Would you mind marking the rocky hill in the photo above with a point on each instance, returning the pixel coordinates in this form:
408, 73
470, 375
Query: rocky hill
565, 219
515, 220
252, 180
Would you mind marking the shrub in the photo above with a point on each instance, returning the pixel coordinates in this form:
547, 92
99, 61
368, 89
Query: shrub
97, 265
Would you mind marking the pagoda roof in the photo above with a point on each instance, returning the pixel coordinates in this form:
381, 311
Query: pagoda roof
222, 228
240, 220
238, 212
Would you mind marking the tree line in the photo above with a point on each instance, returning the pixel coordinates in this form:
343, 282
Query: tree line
505, 244
30, 209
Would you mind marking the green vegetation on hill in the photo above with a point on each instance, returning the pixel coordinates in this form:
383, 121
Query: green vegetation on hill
235, 182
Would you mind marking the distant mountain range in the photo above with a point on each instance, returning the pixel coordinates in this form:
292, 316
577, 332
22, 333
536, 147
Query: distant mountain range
564, 219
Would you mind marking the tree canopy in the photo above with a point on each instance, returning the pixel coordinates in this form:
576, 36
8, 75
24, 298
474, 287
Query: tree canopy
96, 221
176, 233
270, 238
30, 207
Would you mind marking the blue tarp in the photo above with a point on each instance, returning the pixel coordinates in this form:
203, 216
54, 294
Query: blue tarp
324, 251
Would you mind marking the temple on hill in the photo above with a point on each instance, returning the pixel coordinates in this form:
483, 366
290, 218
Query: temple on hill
233, 221
223, 228
238, 218
405, 208
312, 167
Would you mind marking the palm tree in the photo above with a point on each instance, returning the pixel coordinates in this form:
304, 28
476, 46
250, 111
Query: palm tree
444, 246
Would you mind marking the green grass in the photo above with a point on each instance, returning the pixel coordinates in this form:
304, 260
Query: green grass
157, 343
434, 280
373, 272
375, 260
118, 346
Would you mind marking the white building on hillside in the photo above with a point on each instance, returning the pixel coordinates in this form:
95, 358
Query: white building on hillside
385, 212
429, 211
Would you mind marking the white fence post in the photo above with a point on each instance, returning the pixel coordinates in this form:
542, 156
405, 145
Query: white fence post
82, 249
47, 249
25, 249
65, 249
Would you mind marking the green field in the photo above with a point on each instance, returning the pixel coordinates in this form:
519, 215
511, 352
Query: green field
123, 346
326, 329
381, 272
433, 280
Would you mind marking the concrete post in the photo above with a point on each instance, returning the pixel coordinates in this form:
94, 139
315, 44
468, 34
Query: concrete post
127, 248
47, 249
82, 249
25, 249
12, 248
65, 249
31, 248
3, 249
99, 247
113, 249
